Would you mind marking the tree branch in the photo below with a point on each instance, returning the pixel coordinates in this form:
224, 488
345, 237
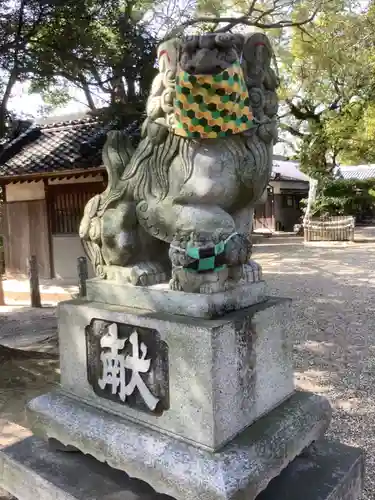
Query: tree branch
233, 21
229, 26
300, 114
291, 130
335, 104
14, 71
86, 90
19, 32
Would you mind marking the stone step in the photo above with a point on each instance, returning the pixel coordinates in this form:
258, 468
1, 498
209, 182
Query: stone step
325, 471
30, 470
159, 298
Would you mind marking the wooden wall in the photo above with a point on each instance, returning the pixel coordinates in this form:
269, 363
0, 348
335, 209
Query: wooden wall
66, 203
25, 231
264, 216
287, 210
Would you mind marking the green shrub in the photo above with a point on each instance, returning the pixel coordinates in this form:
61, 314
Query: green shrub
345, 197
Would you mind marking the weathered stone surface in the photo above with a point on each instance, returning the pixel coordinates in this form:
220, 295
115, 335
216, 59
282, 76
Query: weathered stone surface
177, 205
223, 374
239, 471
160, 298
30, 471
153, 395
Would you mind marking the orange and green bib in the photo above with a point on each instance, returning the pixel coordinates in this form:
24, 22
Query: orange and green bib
211, 106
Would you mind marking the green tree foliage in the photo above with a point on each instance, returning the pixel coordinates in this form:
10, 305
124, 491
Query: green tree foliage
272, 16
345, 197
109, 48
19, 22
99, 47
328, 88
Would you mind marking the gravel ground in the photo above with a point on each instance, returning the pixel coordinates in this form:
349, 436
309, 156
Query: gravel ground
334, 336
27, 328
334, 333
23, 379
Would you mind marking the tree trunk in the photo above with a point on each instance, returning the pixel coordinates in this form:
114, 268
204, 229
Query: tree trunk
118, 94
131, 89
311, 199
89, 98
14, 72
5, 99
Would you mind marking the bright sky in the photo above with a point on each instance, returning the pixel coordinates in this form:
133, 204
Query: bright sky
24, 103
32, 104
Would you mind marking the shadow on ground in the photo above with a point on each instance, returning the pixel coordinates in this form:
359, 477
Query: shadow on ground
333, 337
29, 367
28, 358
22, 380
333, 332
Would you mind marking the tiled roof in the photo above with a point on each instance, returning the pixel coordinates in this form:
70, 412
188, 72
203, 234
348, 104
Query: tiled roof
76, 142
288, 171
55, 144
361, 172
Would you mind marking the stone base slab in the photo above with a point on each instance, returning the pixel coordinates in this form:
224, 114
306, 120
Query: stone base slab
29, 470
159, 298
240, 470
325, 471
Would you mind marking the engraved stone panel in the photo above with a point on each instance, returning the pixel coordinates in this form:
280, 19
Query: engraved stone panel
128, 364
223, 374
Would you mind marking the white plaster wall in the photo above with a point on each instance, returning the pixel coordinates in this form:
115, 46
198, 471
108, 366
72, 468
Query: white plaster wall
66, 250
25, 191
78, 180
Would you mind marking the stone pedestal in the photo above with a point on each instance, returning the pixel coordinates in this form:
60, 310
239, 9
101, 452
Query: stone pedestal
213, 377
196, 406
159, 298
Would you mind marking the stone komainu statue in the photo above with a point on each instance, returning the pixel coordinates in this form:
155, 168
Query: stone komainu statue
180, 206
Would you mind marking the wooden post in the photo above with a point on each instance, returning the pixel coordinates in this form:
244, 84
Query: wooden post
83, 275
2, 272
32, 267
2, 298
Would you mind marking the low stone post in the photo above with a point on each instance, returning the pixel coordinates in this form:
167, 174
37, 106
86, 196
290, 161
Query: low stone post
32, 268
83, 275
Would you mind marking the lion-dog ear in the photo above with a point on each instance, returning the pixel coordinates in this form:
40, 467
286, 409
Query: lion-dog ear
168, 53
258, 54
257, 49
